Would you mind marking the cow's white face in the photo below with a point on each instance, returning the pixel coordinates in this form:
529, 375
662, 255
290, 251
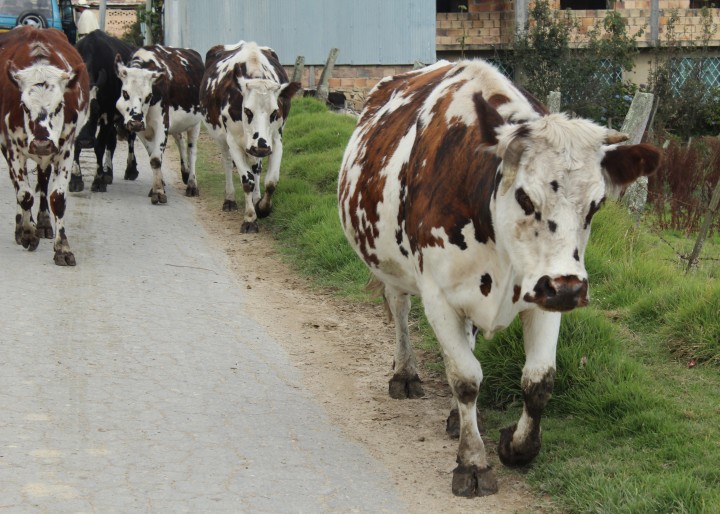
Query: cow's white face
136, 94
552, 183
261, 117
42, 92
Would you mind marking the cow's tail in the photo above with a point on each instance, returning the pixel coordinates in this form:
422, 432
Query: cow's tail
377, 288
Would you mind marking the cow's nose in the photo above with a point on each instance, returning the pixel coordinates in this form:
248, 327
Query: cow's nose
260, 151
562, 293
42, 147
135, 125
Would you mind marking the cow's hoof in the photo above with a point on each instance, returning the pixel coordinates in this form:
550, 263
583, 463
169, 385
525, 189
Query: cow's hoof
157, 198
99, 185
249, 227
64, 258
263, 209
471, 481
192, 191
185, 176
131, 173
401, 387
107, 177
515, 457
44, 229
76, 184
452, 425
229, 206
28, 239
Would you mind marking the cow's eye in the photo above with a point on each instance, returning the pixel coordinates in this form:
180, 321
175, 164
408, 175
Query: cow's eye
125, 94
273, 116
524, 200
248, 115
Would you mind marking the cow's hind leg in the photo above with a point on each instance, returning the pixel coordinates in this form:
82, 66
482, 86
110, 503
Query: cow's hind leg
405, 382
520, 443
192, 138
43, 228
110, 144
76, 181
473, 476
182, 146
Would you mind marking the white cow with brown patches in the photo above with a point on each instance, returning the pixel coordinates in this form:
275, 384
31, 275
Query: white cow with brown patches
245, 97
461, 188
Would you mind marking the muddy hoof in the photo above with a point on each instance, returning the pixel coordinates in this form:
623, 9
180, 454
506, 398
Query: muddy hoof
192, 191
263, 209
64, 258
402, 387
99, 185
28, 239
516, 457
471, 481
229, 206
249, 227
76, 184
158, 198
44, 229
107, 177
131, 173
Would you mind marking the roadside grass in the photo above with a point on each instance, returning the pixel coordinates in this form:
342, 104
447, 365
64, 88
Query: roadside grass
634, 423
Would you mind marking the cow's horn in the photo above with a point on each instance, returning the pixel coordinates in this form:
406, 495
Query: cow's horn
614, 137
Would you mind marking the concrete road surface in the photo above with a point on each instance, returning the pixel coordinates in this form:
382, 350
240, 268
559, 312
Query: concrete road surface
136, 382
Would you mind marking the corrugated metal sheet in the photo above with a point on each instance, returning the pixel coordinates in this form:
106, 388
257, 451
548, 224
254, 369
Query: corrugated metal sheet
367, 32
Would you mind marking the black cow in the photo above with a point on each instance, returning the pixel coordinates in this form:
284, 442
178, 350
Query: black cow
98, 50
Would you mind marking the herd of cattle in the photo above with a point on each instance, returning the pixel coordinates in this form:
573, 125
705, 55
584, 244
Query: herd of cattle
58, 99
457, 186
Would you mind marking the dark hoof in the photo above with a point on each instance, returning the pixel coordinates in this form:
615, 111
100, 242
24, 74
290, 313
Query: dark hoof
192, 191
249, 227
157, 198
185, 176
64, 258
28, 239
229, 206
514, 457
107, 177
263, 209
401, 387
452, 425
131, 173
471, 481
76, 184
44, 228
99, 185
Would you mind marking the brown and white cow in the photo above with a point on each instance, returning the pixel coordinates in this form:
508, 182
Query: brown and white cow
245, 97
160, 95
459, 187
44, 100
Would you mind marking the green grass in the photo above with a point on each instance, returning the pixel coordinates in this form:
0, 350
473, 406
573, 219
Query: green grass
634, 423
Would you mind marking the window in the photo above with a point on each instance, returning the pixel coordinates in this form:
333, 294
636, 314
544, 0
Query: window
707, 69
583, 4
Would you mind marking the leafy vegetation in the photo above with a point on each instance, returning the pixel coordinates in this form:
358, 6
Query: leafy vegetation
633, 424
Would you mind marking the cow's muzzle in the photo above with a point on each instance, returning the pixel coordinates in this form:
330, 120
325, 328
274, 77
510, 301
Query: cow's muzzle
135, 126
257, 151
559, 294
42, 147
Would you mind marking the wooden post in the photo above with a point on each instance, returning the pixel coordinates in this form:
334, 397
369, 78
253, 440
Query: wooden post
634, 126
298, 70
707, 222
322, 90
553, 101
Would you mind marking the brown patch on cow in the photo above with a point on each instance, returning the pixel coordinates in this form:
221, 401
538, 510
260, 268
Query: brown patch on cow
497, 100
485, 284
58, 203
516, 293
626, 163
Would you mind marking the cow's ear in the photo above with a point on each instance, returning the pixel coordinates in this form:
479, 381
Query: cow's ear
158, 76
288, 90
625, 164
74, 76
510, 149
120, 68
12, 73
488, 120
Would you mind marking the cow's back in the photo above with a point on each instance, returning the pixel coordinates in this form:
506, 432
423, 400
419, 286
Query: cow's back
415, 166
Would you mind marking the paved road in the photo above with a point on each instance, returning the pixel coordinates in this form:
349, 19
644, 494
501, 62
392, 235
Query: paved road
134, 382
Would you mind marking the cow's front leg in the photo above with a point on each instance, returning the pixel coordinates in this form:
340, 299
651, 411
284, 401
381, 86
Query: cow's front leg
245, 166
452, 424
58, 206
131, 171
76, 181
405, 382
43, 228
263, 207
192, 138
25, 233
520, 443
155, 148
473, 476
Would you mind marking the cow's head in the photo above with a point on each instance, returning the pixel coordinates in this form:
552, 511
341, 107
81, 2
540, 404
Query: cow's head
42, 99
136, 95
553, 177
86, 136
265, 104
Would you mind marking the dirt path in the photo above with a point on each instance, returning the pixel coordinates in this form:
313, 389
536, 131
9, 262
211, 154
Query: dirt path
345, 352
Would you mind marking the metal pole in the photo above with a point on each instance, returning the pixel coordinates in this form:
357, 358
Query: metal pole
148, 23
654, 22
103, 8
